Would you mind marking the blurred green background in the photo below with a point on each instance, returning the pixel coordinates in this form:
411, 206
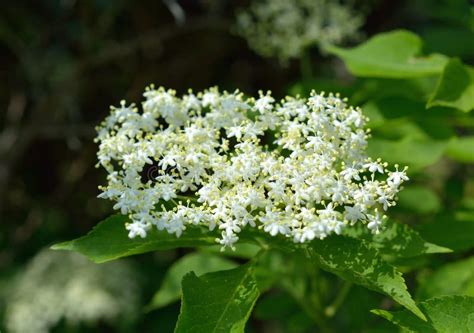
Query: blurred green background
64, 62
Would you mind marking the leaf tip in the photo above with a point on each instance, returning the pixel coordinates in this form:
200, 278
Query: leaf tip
419, 314
66, 246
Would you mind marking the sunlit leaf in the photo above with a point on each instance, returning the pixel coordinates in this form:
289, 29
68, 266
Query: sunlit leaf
412, 152
419, 199
109, 240
394, 54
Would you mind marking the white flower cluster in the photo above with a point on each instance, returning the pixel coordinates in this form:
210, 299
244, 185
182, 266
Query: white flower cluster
60, 286
284, 28
296, 168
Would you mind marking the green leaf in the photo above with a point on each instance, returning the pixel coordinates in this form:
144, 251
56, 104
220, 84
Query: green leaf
412, 152
398, 117
447, 314
351, 259
295, 274
455, 87
368, 89
199, 263
244, 250
392, 54
461, 149
376, 118
354, 313
109, 240
453, 230
217, 302
396, 240
455, 278
419, 199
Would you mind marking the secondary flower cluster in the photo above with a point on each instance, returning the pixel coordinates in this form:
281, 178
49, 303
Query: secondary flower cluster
296, 168
284, 28
61, 287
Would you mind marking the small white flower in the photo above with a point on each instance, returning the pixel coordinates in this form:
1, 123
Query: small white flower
375, 221
227, 240
395, 178
306, 234
137, 229
350, 173
374, 167
353, 214
264, 103
235, 131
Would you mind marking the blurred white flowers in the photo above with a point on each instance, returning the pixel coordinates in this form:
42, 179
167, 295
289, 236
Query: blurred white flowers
296, 168
59, 286
284, 28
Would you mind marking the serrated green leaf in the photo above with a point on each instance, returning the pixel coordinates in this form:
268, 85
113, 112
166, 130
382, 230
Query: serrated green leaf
351, 259
392, 54
109, 240
412, 152
456, 278
461, 149
396, 240
447, 314
217, 302
455, 87
199, 263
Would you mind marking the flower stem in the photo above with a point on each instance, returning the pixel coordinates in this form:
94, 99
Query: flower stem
331, 310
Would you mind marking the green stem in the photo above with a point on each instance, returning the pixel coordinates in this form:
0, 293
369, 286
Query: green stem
313, 306
316, 316
341, 296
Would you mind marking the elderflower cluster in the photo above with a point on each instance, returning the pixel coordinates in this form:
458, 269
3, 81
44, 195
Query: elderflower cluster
59, 287
296, 168
284, 28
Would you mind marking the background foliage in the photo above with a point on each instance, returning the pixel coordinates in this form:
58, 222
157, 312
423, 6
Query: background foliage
65, 62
